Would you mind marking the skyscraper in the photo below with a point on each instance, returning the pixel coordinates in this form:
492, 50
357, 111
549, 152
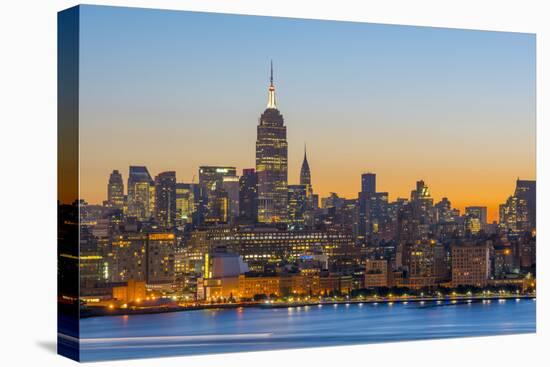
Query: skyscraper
368, 183
230, 185
372, 208
297, 205
248, 196
185, 203
115, 190
272, 162
305, 177
141, 193
165, 198
479, 212
214, 199
527, 190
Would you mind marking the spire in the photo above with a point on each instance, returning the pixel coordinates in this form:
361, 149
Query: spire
305, 174
271, 78
271, 94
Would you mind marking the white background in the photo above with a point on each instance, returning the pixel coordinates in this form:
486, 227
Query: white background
28, 181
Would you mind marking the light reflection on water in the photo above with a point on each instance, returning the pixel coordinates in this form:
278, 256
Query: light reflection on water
232, 330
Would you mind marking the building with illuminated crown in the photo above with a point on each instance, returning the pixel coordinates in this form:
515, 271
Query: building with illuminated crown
272, 162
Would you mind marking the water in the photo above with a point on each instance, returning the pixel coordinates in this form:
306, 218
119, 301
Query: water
253, 329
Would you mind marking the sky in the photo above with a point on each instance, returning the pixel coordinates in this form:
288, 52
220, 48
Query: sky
174, 90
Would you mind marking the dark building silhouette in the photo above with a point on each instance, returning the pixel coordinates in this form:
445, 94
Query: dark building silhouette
368, 183
527, 190
272, 162
372, 208
305, 178
248, 196
165, 198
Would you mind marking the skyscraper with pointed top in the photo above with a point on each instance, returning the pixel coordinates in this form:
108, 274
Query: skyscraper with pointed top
305, 178
272, 162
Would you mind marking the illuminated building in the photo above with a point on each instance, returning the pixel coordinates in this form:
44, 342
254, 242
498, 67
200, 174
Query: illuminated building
479, 212
221, 272
230, 185
377, 273
297, 205
115, 190
91, 263
186, 202
211, 177
425, 264
422, 204
248, 197
141, 193
160, 259
249, 285
527, 190
126, 258
444, 211
133, 291
260, 284
272, 162
165, 199
214, 199
470, 264
513, 215
260, 246
330, 283
368, 183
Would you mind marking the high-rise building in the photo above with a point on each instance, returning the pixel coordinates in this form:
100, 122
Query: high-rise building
214, 201
513, 215
368, 183
211, 177
305, 179
372, 208
141, 193
297, 205
527, 190
165, 198
479, 212
115, 190
185, 203
444, 211
475, 219
272, 162
230, 185
248, 196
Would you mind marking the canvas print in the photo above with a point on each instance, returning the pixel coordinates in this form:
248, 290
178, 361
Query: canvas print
232, 183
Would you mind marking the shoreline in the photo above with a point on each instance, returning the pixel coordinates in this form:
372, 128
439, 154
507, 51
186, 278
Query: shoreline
102, 312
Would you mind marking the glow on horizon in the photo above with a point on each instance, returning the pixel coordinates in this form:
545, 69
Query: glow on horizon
175, 90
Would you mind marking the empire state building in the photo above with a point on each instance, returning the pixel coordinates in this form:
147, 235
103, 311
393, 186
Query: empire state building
272, 162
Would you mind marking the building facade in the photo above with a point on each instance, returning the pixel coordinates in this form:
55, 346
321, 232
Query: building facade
272, 162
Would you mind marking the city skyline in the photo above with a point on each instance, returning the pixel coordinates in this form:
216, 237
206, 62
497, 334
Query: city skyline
471, 157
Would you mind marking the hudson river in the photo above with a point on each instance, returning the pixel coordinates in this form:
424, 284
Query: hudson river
253, 329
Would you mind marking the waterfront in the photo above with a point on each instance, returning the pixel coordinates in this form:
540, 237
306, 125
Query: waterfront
254, 329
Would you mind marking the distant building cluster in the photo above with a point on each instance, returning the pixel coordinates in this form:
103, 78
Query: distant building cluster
253, 235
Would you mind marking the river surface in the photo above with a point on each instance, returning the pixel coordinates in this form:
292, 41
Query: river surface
254, 329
